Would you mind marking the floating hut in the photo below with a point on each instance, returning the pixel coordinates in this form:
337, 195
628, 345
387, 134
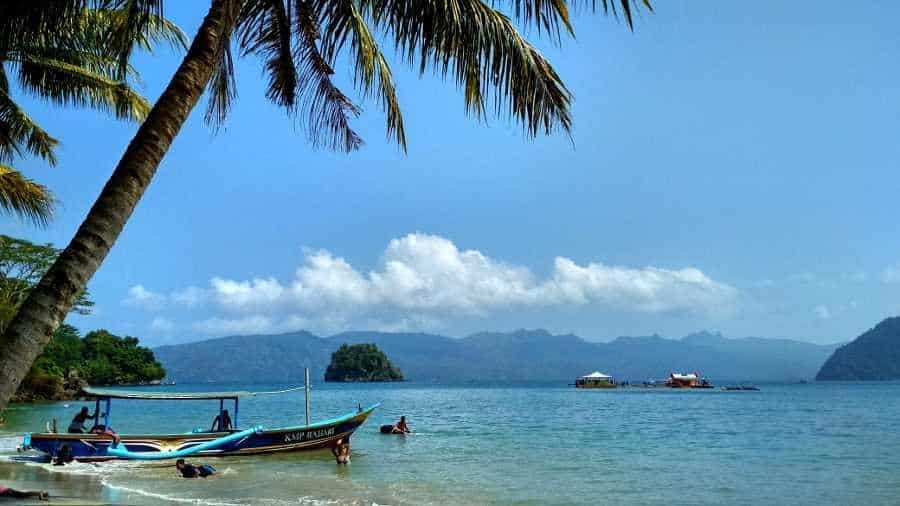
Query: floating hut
689, 380
595, 379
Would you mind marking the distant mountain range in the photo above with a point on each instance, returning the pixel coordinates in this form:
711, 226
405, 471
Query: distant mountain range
522, 355
875, 355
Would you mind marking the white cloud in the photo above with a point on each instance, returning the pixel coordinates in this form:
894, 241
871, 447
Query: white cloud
423, 279
161, 324
140, 297
822, 312
190, 296
891, 274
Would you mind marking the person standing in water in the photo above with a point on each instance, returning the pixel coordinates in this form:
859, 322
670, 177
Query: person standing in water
77, 425
341, 452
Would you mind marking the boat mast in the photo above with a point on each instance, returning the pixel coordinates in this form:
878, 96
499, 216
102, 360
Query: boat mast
306, 389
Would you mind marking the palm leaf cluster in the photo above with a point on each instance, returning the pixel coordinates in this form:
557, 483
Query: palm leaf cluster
70, 54
473, 42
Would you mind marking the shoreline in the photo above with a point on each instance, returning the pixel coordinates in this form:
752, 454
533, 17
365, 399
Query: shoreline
64, 486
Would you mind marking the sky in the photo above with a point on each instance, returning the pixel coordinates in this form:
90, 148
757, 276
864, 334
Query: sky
732, 167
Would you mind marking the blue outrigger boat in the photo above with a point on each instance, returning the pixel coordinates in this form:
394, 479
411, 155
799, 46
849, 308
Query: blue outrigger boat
101, 443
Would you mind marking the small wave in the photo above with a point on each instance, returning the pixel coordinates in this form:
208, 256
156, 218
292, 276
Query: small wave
166, 497
9, 443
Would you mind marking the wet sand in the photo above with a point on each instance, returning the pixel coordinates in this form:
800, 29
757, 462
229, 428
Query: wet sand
64, 487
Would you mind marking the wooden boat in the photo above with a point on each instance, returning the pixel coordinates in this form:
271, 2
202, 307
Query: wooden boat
595, 379
102, 443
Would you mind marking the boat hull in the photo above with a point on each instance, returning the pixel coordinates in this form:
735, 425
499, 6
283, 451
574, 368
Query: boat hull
93, 447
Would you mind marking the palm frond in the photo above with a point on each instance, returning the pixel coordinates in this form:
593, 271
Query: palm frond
103, 28
547, 15
481, 49
20, 134
222, 84
222, 89
342, 21
628, 8
264, 29
137, 16
329, 110
23, 197
21, 21
68, 84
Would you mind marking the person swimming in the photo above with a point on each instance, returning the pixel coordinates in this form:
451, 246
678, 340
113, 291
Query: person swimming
341, 452
23, 494
397, 428
401, 427
77, 425
192, 471
222, 422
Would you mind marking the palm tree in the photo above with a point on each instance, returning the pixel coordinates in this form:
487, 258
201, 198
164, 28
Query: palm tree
299, 41
72, 64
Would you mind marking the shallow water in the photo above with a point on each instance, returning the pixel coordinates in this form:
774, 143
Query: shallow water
524, 444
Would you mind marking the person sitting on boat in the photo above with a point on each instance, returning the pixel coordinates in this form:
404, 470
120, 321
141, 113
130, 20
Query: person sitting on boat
222, 422
77, 425
192, 471
341, 452
401, 427
23, 494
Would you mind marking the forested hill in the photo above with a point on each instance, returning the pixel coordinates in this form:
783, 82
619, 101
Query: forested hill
523, 355
875, 355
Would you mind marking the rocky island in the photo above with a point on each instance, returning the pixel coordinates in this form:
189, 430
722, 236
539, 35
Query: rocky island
361, 363
875, 355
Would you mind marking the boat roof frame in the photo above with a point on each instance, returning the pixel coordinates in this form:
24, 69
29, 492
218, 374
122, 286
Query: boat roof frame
109, 393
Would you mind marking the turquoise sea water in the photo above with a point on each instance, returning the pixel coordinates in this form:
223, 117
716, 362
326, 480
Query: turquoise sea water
525, 444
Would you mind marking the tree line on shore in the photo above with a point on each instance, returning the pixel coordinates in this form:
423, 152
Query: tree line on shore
70, 360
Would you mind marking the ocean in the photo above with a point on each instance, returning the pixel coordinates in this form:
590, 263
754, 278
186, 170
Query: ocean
819, 443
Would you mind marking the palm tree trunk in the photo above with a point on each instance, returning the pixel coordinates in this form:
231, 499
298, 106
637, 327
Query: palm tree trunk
53, 297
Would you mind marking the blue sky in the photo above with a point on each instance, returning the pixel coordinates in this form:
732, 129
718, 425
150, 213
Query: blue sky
732, 167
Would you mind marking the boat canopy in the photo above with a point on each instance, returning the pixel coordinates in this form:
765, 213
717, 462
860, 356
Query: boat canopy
108, 393
597, 375
684, 377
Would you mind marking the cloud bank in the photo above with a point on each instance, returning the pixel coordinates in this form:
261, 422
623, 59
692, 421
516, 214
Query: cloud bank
424, 279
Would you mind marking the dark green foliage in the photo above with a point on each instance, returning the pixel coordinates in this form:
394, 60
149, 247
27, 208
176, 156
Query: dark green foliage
361, 362
875, 355
22, 264
100, 358
109, 359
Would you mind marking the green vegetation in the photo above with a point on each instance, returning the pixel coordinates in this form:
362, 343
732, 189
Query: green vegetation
22, 263
875, 355
361, 362
68, 360
99, 358
73, 63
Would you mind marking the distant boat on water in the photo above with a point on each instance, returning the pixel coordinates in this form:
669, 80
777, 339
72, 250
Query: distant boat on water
688, 380
595, 379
